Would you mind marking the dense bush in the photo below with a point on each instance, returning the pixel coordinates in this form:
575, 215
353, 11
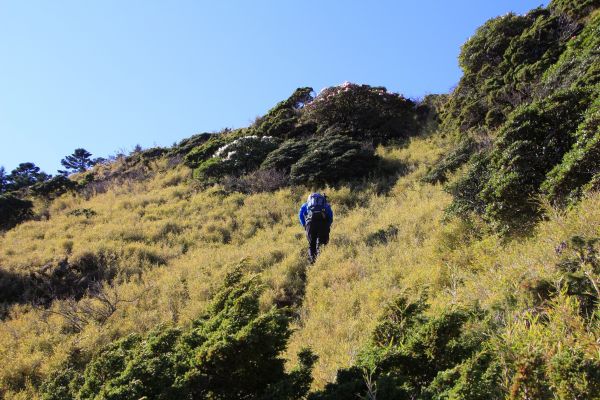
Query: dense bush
14, 211
332, 159
186, 145
209, 146
53, 187
282, 120
578, 65
232, 352
451, 162
534, 139
566, 180
363, 112
574, 9
240, 156
466, 189
408, 352
286, 155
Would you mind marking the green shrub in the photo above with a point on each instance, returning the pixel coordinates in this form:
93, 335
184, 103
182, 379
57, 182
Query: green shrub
232, 352
286, 155
282, 120
362, 112
575, 9
533, 140
209, 146
247, 153
580, 269
565, 182
187, 145
578, 65
452, 161
407, 352
13, 211
466, 189
333, 159
53, 187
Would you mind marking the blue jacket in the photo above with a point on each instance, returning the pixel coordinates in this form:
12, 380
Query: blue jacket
304, 212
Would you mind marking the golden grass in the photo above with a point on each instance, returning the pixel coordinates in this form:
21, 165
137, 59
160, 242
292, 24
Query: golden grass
173, 242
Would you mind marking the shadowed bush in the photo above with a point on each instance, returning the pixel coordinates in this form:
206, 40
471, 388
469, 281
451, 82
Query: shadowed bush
14, 211
332, 159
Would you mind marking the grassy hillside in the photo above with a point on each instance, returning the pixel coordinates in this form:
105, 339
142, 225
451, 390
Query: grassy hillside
463, 261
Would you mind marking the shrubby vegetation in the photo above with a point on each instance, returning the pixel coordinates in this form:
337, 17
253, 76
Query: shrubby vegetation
14, 211
528, 96
324, 139
231, 352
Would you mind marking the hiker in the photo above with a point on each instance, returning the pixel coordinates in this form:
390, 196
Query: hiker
316, 218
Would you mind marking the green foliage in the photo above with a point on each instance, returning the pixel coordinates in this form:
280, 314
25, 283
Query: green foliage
286, 155
408, 352
332, 159
480, 59
232, 352
25, 175
580, 268
363, 112
466, 188
79, 161
210, 169
579, 64
452, 161
239, 156
187, 145
534, 139
564, 183
14, 211
576, 9
53, 187
206, 150
282, 120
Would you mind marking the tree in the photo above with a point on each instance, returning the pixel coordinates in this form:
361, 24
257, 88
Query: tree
79, 161
3, 180
25, 175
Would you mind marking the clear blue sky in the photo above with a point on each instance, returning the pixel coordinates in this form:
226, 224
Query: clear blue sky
107, 75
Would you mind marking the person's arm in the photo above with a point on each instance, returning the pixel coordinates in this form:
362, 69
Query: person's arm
329, 213
301, 214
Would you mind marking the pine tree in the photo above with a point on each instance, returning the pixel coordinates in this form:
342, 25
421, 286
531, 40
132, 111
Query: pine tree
3, 180
25, 175
79, 161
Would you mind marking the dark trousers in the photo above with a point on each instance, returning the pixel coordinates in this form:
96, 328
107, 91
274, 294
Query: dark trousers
317, 233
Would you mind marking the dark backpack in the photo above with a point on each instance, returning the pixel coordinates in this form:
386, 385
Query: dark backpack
316, 208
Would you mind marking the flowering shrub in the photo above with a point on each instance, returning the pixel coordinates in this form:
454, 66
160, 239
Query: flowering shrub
240, 156
362, 112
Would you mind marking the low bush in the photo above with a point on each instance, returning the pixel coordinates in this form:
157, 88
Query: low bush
53, 187
333, 159
13, 211
286, 155
231, 352
451, 162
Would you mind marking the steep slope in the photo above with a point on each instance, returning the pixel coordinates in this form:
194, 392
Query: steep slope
465, 246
